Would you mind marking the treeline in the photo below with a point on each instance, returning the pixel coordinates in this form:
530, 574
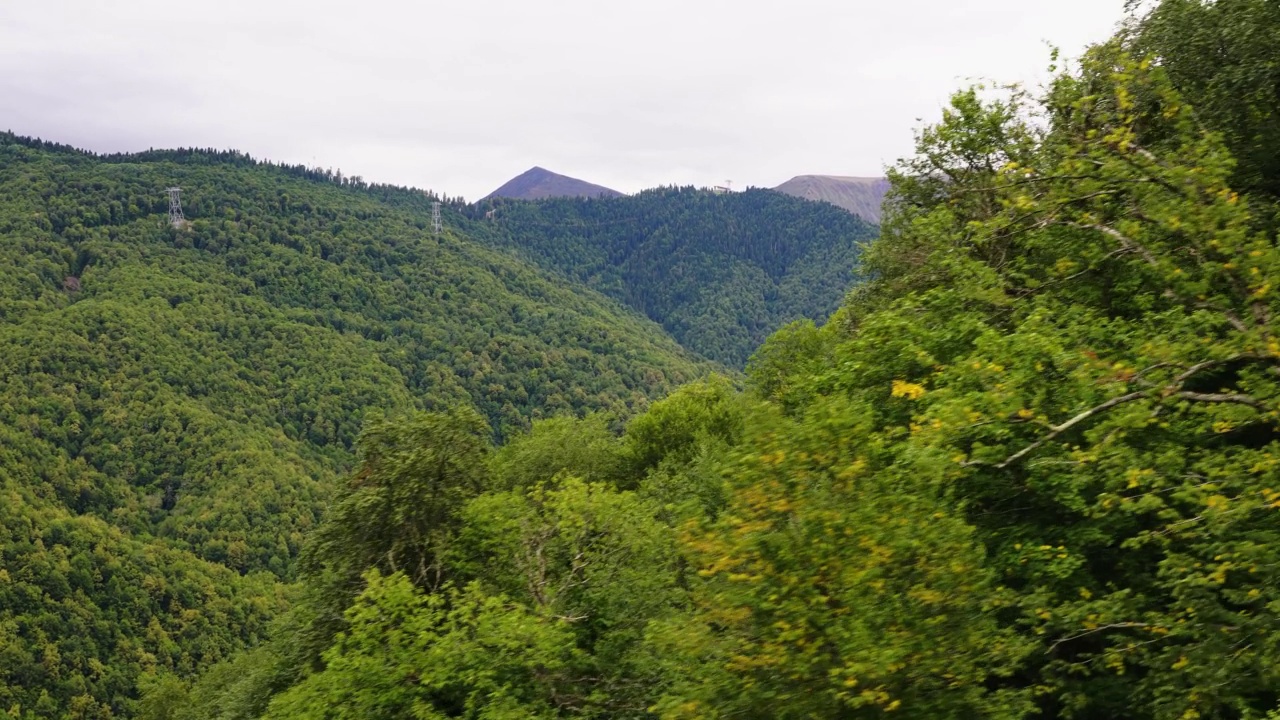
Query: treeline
177, 406
1031, 468
236, 158
719, 271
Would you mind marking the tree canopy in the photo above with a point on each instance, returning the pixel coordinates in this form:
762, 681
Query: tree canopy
178, 405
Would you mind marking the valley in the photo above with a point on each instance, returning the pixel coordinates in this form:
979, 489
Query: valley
718, 271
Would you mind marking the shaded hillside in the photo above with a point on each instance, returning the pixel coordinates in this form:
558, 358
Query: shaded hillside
861, 196
718, 271
537, 183
176, 405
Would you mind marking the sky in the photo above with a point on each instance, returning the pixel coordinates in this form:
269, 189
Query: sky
460, 96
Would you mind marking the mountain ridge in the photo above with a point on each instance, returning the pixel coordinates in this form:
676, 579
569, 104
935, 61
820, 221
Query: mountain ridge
861, 196
539, 183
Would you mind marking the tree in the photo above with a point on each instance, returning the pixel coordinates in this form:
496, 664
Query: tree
584, 448
836, 583
1081, 350
400, 509
1221, 57
556, 588
409, 654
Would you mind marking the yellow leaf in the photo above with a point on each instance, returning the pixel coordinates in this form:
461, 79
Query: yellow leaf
1217, 502
911, 391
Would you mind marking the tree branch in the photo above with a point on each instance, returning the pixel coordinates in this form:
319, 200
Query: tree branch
1125, 240
1169, 390
1220, 398
1057, 430
1191, 371
1112, 626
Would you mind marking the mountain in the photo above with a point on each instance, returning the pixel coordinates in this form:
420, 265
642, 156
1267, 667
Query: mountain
718, 271
178, 405
861, 196
537, 183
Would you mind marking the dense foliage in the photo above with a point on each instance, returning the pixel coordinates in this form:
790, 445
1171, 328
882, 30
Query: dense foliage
453, 579
1221, 56
718, 271
177, 405
1030, 469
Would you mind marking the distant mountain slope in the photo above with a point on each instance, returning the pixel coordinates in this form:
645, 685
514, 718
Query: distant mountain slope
177, 405
861, 196
719, 271
537, 183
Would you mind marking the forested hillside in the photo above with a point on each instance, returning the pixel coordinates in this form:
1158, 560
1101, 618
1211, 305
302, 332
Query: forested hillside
1029, 469
178, 404
718, 271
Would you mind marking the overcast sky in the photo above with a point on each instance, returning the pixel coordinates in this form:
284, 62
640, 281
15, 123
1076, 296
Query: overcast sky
459, 96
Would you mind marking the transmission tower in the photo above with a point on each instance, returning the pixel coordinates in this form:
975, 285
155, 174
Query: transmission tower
175, 208
436, 225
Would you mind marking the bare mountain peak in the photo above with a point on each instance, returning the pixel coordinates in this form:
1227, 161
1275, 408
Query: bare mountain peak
538, 182
861, 196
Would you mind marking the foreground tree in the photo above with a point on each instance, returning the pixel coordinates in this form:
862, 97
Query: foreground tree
564, 583
1221, 57
1069, 338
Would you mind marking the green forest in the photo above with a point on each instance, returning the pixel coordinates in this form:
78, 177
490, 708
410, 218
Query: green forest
178, 405
719, 271
303, 459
